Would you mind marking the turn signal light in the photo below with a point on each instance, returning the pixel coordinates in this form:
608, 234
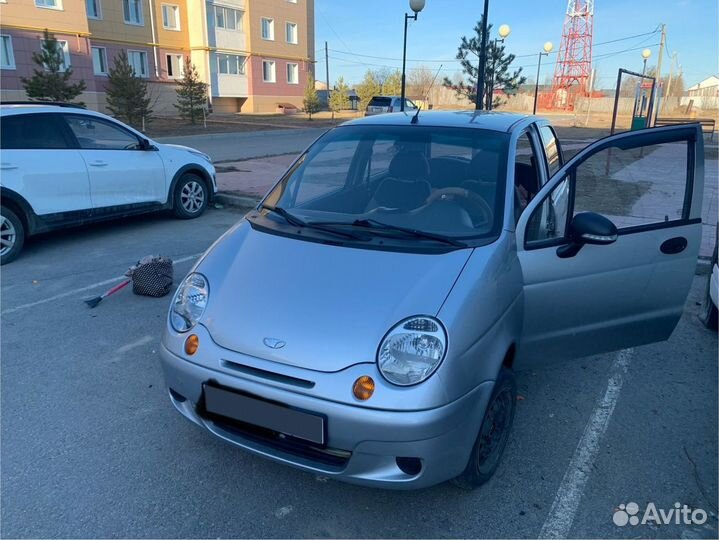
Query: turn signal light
191, 344
363, 388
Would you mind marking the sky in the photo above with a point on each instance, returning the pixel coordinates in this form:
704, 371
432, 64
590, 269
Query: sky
374, 28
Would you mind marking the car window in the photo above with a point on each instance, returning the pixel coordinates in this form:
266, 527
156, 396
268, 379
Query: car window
324, 173
96, 134
634, 187
549, 220
390, 174
32, 132
638, 187
379, 101
526, 173
551, 149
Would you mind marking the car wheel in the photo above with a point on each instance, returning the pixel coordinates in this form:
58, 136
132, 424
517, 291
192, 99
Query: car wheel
191, 197
12, 235
493, 434
709, 315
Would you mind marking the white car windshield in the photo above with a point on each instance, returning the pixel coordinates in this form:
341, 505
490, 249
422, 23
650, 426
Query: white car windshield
442, 181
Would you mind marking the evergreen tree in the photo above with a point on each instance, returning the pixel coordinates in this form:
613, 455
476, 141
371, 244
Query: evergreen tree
368, 88
339, 100
191, 94
392, 85
496, 74
311, 101
127, 96
51, 79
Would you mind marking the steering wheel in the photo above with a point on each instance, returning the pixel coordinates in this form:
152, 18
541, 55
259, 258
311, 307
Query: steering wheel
473, 203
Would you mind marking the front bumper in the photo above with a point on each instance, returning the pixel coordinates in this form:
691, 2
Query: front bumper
362, 444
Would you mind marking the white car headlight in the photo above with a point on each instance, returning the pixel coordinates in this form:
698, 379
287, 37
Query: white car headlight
190, 302
204, 156
412, 351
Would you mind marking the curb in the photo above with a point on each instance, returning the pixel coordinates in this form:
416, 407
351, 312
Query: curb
237, 201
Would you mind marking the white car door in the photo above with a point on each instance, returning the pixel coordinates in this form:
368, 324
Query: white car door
121, 172
626, 284
39, 164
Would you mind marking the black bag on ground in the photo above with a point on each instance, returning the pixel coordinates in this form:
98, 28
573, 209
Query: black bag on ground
151, 276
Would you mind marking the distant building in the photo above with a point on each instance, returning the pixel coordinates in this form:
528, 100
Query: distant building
709, 87
254, 54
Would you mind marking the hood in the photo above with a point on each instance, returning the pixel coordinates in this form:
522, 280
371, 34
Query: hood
330, 305
186, 149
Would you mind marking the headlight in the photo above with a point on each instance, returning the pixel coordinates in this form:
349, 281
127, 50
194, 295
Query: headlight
201, 154
412, 351
189, 302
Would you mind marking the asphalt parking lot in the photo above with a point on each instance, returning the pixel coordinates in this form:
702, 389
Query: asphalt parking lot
91, 446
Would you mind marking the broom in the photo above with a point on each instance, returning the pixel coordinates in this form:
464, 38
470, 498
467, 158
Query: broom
92, 302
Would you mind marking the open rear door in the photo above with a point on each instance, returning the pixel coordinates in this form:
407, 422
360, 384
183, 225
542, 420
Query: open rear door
649, 183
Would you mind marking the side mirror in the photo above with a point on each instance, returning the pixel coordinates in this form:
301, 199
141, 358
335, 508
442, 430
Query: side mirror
588, 228
145, 145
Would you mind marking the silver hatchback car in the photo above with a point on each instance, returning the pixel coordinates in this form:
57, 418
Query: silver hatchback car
364, 321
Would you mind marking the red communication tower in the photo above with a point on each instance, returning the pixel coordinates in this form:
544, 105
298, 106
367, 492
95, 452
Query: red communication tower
574, 63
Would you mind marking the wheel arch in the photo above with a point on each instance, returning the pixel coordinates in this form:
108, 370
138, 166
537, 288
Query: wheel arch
193, 169
18, 204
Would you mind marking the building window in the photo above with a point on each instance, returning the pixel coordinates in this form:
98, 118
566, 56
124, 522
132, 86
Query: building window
291, 33
7, 57
175, 66
293, 74
138, 61
52, 4
99, 60
65, 54
268, 29
132, 11
170, 17
268, 71
231, 64
94, 11
228, 19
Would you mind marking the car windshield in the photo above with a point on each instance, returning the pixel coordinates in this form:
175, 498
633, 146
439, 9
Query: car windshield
441, 181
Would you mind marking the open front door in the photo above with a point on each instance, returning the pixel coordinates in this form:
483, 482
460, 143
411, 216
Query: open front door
631, 291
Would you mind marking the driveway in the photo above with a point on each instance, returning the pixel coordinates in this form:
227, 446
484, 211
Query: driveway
91, 446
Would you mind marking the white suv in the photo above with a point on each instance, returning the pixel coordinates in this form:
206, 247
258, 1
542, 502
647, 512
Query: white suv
62, 165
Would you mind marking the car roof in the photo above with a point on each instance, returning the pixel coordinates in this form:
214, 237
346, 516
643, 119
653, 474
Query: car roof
491, 120
9, 109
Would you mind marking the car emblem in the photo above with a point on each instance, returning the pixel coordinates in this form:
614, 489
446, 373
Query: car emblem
273, 343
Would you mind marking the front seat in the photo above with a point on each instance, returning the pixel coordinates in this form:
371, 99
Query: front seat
407, 186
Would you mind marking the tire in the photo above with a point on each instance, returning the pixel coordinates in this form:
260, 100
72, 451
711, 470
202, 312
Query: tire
489, 446
12, 235
191, 197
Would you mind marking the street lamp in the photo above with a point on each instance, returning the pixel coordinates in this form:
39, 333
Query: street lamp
646, 53
416, 6
503, 32
548, 46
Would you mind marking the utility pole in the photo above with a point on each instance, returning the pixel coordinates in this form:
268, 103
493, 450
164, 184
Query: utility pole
482, 60
669, 82
660, 92
327, 72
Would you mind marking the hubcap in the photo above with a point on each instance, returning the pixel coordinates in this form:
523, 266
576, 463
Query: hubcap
192, 196
495, 431
7, 235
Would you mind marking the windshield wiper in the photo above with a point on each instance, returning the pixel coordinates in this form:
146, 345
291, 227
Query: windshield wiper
379, 225
297, 222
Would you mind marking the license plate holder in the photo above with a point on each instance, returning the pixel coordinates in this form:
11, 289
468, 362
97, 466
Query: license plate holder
263, 413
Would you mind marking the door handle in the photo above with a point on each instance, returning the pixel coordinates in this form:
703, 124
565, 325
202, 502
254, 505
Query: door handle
7, 166
98, 163
674, 245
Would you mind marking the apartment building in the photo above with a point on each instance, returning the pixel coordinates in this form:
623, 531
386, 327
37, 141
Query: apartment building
255, 55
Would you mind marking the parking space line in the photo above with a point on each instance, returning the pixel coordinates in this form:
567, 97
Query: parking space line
566, 503
82, 289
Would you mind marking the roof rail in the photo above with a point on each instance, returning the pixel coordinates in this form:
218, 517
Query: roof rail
46, 103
